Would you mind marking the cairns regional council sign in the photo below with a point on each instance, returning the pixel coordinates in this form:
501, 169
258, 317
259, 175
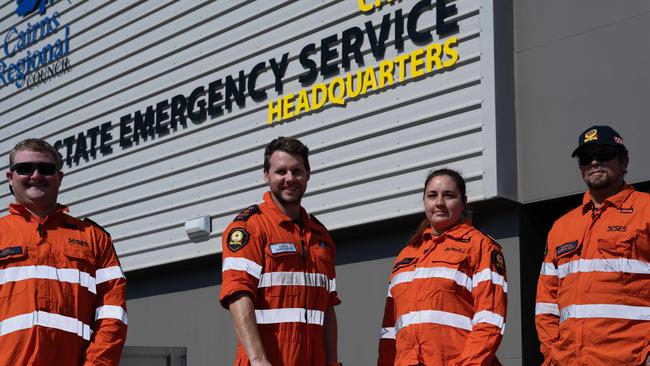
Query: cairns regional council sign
33, 52
320, 58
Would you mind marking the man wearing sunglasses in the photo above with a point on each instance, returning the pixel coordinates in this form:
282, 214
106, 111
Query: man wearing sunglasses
593, 293
62, 290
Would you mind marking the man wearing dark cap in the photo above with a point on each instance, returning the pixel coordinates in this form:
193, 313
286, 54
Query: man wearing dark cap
593, 294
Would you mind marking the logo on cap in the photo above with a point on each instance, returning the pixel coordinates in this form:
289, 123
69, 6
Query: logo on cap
591, 135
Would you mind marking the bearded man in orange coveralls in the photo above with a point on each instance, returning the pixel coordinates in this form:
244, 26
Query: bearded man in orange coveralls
62, 291
593, 294
447, 298
279, 281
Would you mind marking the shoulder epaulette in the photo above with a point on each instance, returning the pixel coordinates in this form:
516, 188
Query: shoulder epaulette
88, 220
247, 213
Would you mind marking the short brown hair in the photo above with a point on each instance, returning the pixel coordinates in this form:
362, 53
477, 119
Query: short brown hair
39, 145
288, 145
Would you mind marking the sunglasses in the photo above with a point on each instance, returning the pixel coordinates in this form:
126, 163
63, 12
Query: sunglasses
29, 168
601, 156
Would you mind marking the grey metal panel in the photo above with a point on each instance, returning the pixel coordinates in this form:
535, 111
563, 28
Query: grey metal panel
566, 81
368, 158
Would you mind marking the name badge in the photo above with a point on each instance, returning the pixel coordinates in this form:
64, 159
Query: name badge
283, 248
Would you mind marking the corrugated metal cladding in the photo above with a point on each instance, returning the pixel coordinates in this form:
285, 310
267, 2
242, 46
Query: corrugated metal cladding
369, 158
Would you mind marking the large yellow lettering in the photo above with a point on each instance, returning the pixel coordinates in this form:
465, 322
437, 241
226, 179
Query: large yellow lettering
433, 56
351, 91
451, 52
369, 80
316, 90
287, 104
302, 103
365, 7
275, 110
401, 62
416, 62
336, 83
386, 68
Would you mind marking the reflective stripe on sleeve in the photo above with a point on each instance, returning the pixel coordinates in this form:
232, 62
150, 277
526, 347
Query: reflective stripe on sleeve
547, 308
70, 275
488, 275
433, 316
111, 312
387, 333
242, 264
297, 279
605, 311
47, 320
108, 274
432, 272
289, 315
604, 265
489, 317
548, 269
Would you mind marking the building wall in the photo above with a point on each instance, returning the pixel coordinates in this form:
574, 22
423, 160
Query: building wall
573, 72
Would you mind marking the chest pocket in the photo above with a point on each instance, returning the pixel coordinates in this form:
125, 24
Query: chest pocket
14, 273
453, 270
402, 281
616, 246
284, 272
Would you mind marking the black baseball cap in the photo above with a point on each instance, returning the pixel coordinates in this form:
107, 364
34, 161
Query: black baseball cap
598, 135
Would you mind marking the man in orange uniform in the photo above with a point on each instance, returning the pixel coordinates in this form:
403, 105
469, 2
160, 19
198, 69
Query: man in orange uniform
278, 271
62, 291
593, 294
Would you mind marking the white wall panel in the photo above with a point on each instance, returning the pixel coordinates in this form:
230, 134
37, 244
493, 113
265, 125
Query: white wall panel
369, 157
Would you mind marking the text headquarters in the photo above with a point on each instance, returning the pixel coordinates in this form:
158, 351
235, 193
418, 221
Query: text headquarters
217, 97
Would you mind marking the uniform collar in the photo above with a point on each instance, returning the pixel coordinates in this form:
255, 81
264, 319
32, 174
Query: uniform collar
20, 210
459, 232
268, 199
616, 200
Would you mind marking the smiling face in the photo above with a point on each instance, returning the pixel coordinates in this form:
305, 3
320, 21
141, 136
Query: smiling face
36, 191
443, 203
600, 173
287, 178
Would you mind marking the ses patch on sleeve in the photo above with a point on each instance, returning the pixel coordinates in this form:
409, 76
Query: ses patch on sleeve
237, 239
498, 262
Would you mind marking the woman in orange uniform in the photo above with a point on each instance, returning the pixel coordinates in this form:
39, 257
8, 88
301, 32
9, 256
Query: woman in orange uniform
447, 297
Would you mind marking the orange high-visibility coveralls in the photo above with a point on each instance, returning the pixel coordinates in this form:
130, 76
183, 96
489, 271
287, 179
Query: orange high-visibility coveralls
446, 302
62, 292
593, 294
289, 273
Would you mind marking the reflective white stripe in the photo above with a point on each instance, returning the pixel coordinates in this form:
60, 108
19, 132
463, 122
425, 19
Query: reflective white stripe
604, 265
605, 311
289, 315
107, 274
387, 333
489, 317
111, 312
488, 275
547, 308
432, 272
548, 269
297, 279
433, 316
48, 320
70, 275
242, 264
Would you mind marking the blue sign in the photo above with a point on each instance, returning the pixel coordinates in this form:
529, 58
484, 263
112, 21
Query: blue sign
26, 7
